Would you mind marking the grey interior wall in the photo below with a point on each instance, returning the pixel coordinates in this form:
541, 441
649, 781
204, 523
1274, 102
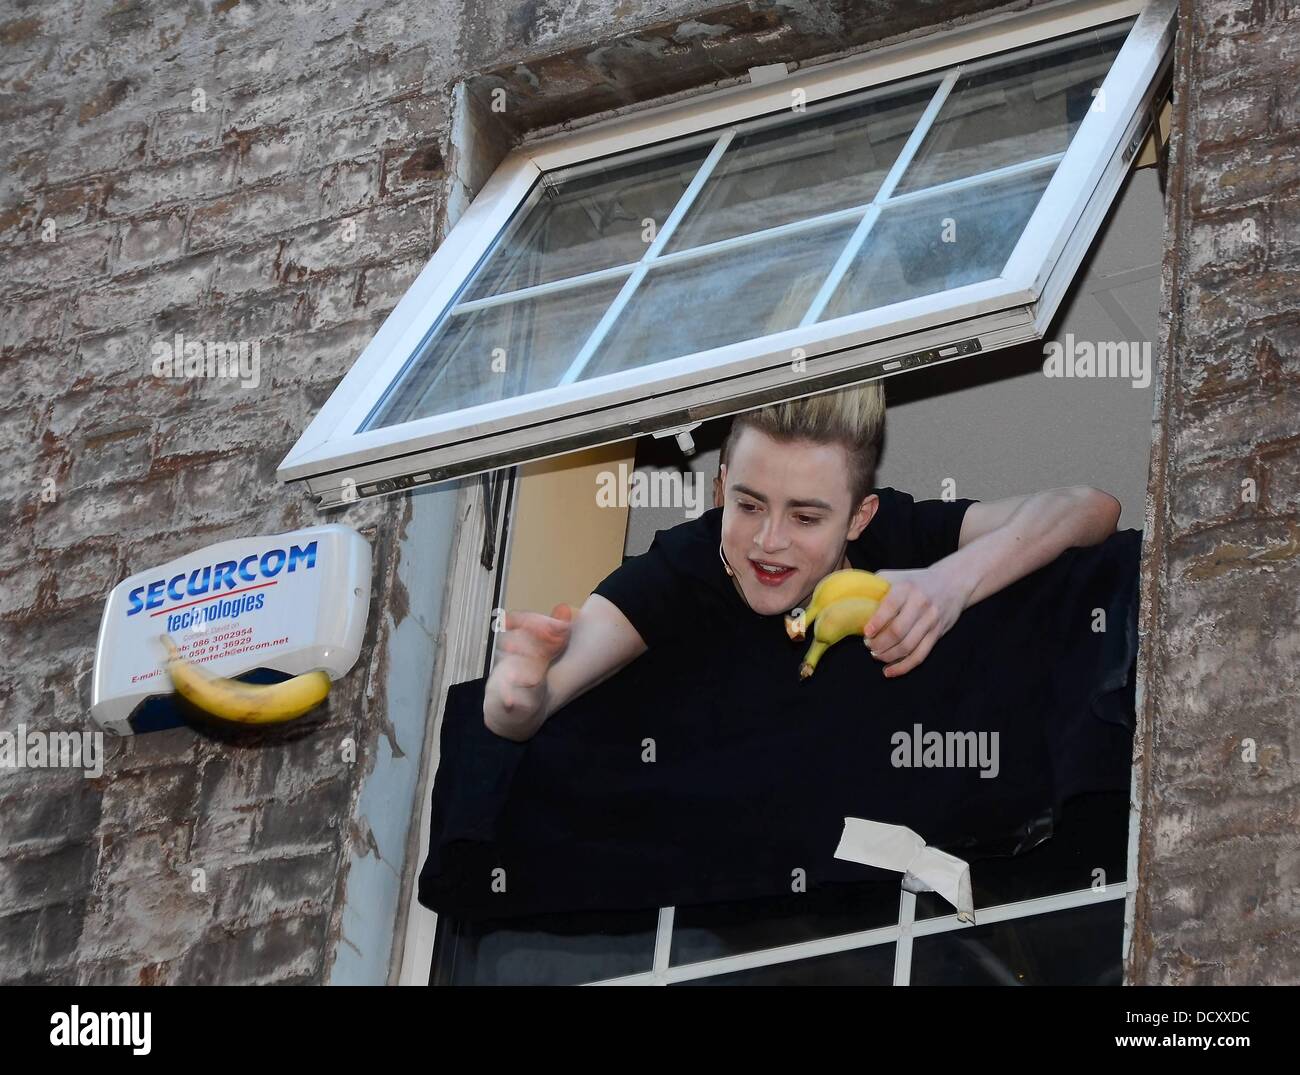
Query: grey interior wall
995, 424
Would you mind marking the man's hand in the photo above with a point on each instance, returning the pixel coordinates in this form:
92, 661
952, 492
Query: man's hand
918, 610
516, 694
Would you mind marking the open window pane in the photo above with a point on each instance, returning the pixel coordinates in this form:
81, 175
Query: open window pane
496, 352
929, 203
585, 223
937, 242
738, 294
1013, 113
826, 161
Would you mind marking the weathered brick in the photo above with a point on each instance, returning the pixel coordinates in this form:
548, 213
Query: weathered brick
34, 319
178, 132
17, 939
265, 153
151, 798
245, 215
199, 176
67, 809
38, 879
250, 270
1213, 496
311, 92
149, 241
304, 823
178, 285
250, 893
75, 254
108, 456
99, 147
151, 912
58, 934
273, 952
392, 72
360, 132
120, 508
1229, 428
350, 185
1281, 492
412, 170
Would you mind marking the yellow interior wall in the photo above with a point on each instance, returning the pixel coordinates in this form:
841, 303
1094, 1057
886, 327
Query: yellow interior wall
561, 542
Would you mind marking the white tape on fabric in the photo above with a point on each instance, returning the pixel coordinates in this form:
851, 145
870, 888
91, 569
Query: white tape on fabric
924, 868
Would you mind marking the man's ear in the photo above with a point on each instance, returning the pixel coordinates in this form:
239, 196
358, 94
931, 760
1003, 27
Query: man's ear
720, 487
866, 510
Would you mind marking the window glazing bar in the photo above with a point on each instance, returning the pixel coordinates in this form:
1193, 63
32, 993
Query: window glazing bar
860, 233
665, 233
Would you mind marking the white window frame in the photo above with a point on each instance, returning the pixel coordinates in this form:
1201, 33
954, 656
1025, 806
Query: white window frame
900, 935
340, 464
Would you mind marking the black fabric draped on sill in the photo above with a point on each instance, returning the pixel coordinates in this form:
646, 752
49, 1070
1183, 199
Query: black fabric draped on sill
671, 784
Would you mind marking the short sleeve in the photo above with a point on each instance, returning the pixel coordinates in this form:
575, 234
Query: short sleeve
908, 533
651, 593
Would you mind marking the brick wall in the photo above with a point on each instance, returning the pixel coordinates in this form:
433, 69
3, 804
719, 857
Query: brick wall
1219, 893
221, 222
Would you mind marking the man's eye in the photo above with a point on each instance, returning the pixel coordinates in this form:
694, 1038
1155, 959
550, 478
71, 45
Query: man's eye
748, 507
809, 518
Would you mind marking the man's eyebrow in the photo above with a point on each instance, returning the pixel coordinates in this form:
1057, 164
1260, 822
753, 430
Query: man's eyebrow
793, 503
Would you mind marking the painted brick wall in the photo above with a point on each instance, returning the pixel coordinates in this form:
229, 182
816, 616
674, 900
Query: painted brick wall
1219, 894
130, 213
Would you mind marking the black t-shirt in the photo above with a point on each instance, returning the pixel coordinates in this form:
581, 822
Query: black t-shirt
680, 582
707, 769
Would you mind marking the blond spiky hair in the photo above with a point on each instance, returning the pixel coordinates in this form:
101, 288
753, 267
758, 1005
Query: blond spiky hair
852, 416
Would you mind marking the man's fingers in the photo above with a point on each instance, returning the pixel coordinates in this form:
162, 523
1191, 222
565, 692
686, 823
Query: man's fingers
919, 654
919, 623
537, 635
889, 608
894, 632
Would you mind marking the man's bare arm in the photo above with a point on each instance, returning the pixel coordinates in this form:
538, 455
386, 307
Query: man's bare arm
1005, 540
601, 641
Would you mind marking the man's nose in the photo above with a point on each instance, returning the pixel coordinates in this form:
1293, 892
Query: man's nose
771, 538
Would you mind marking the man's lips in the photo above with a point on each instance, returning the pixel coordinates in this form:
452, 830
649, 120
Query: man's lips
769, 578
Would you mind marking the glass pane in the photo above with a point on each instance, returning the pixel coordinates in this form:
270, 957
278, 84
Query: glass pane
721, 298
827, 161
496, 352
1081, 946
1092, 835
858, 966
935, 243
725, 929
578, 225
556, 949
1012, 113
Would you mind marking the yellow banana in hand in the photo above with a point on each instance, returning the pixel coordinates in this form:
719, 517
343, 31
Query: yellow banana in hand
837, 621
851, 582
245, 703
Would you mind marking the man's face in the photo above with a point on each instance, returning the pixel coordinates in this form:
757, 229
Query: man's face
786, 506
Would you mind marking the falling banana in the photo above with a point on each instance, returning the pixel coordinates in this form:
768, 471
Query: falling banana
837, 621
245, 703
838, 585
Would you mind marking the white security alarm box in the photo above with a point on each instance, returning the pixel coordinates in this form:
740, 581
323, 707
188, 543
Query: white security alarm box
259, 608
